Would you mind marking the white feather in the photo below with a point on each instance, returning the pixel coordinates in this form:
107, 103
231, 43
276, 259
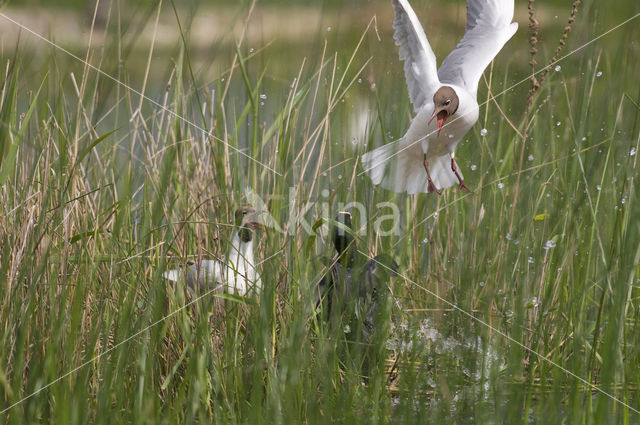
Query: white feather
399, 166
489, 27
236, 273
420, 68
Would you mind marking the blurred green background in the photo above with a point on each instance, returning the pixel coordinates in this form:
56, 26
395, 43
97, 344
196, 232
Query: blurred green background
103, 189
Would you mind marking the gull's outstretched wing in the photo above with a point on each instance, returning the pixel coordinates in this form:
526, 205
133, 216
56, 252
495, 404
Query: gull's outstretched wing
420, 69
489, 27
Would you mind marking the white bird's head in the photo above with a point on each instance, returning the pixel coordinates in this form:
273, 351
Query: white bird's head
445, 104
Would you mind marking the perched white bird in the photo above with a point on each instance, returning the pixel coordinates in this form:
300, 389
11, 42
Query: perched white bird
439, 96
235, 273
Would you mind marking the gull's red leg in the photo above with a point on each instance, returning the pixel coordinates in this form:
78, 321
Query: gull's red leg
430, 187
455, 171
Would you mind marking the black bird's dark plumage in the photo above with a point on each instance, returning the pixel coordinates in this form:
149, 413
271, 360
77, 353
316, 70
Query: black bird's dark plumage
355, 291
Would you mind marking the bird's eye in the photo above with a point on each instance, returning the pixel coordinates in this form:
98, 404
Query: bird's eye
447, 102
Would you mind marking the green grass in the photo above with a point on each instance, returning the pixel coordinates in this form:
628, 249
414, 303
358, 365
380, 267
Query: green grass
102, 190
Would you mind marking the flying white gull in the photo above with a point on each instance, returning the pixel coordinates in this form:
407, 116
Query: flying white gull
439, 96
236, 273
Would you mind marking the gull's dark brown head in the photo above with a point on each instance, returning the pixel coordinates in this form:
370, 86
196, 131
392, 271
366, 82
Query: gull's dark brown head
445, 102
247, 219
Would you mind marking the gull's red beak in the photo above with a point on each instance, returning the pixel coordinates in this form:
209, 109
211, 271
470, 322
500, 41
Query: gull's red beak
441, 116
254, 224
253, 221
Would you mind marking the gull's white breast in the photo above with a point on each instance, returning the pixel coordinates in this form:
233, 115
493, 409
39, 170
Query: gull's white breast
454, 129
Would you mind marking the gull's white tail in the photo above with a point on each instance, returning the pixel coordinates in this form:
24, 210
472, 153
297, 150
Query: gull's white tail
399, 168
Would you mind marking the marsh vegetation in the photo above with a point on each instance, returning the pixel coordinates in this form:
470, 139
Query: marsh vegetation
518, 302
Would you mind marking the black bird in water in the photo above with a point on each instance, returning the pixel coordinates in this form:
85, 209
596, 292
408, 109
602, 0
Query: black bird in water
354, 295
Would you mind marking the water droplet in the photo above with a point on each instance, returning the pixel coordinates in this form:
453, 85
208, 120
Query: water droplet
530, 260
473, 167
632, 152
508, 313
328, 28
500, 185
347, 329
481, 284
263, 96
549, 244
359, 80
530, 157
598, 187
483, 132
509, 237
339, 176
583, 138
557, 68
261, 103
623, 200
251, 50
425, 241
354, 141
435, 215
599, 74
373, 86
450, 136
